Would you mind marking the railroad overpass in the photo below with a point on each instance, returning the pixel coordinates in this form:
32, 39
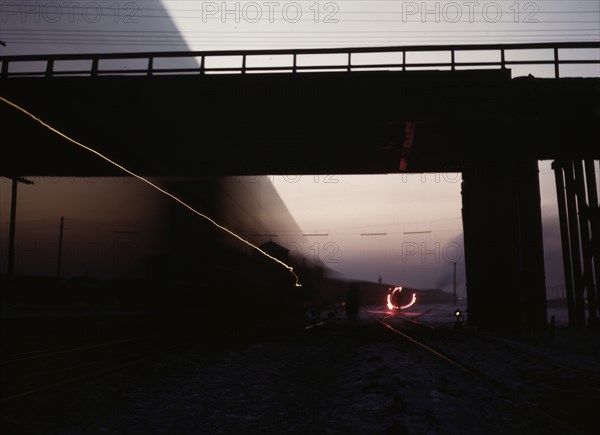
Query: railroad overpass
343, 117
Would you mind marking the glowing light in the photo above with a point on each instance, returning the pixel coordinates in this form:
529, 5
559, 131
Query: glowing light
389, 302
392, 306
154, 186
411, 303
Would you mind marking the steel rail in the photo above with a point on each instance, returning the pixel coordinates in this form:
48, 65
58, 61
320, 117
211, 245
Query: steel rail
121, 363
43, 354
478, 374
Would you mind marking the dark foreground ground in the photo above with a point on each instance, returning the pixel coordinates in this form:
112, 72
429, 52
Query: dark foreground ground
348, 377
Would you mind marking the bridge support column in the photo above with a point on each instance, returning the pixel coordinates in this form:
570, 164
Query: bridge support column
580, 237
504, 252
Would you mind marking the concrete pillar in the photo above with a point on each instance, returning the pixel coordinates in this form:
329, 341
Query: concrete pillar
504, 245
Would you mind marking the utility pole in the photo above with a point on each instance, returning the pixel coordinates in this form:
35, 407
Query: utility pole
11, 236
454, 282
11, 232
60, 243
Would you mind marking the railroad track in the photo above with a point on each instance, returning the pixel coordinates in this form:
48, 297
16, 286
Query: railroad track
557, 392
27, 375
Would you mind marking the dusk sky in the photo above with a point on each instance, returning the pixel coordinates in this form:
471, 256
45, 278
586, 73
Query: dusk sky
407, 211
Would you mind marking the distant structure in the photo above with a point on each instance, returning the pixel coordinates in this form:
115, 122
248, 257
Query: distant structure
275, 250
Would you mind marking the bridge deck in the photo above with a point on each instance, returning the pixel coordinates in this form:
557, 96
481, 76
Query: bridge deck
315, 122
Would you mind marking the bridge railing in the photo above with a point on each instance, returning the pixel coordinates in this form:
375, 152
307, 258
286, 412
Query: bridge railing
401, 58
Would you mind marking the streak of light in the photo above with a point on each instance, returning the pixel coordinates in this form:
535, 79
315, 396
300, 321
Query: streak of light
389, 302
391, 305
154, 186
411, 303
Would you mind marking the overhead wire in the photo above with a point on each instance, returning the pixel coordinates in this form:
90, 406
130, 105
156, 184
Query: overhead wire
568, 27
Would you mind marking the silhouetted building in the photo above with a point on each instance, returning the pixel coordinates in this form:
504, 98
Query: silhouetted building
352, 302
275, 250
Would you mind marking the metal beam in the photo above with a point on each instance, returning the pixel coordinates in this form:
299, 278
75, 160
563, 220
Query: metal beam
593, 216
575, 245
558, 167
587, 274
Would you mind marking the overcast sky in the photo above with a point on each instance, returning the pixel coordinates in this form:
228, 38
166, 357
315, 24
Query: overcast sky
392, 212
31, 26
